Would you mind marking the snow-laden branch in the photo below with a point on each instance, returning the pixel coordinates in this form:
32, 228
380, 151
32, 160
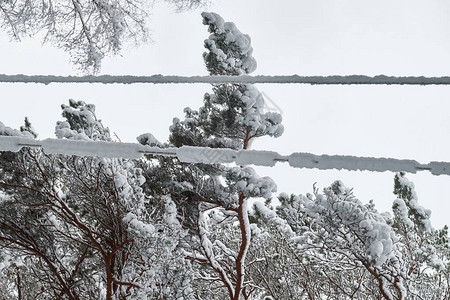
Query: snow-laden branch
205, 155
166, 79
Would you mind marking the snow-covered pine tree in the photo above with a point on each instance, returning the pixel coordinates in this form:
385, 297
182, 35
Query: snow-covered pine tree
83, 224
337, 246
28, 127
13, 265
233, 114
442, 246
417, 238
213, 197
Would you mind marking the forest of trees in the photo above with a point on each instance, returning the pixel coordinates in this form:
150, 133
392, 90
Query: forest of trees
155, 228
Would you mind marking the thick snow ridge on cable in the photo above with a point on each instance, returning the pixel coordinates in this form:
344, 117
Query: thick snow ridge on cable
81, 147
206, 155
279, 79
307, 160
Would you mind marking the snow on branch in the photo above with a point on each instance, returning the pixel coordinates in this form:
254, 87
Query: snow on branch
206, 155
292, 79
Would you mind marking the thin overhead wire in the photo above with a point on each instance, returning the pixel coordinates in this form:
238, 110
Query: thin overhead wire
277, 79
214, 155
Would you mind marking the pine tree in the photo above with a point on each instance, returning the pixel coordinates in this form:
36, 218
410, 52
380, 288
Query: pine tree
83, 224
231, 117
28, 128
413, 225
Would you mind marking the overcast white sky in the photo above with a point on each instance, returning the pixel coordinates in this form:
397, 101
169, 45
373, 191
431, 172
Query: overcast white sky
289, 37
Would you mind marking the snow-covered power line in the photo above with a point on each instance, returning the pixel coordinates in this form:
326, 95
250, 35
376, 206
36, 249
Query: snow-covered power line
278, 79
213, 155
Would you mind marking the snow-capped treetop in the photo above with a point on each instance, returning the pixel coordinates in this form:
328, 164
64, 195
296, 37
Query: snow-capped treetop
8, 131
406, 206
81, 123
230, 51
356, 226
233, 114
413, 225
27, 127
